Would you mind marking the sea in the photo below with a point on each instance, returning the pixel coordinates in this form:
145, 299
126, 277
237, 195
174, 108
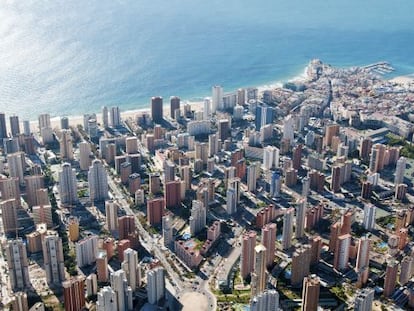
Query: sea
73, 57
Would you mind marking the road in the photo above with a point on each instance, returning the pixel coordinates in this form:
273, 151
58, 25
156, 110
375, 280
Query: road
5, 291
152, 246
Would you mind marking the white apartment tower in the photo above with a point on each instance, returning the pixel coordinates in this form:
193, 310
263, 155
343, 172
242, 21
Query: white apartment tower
84, 155
217, 98
364, 299
400, 170
131, 267
288, 129
287, 230
270, 157
105, 121
68, 185
231, 201
369, 217
18, 265
98, 181
259, 272
106, 300
155, 285
198, 217
53, 258
86, 250
167, 231
251, 177
114, 117
300, 218
123, 292
266, 301
66, 145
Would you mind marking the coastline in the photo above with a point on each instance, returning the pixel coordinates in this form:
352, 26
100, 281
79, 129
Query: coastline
195, 102
196, 105
406, 79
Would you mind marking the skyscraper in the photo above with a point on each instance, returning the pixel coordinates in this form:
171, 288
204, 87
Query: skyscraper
111, 214
105, 122
102, 265
251, 177
126, 226
18, 265
131, 267
288, 129
172, 193
84, 155
275, 184
155, 210
213, 145
19, 302
17, 165
247, 254
122, 291
362, 261
64, 123
73, 293
270, 157
259, 272
155, 285
217, 98
206, 108
198, 217
68, 189
114, 117
9, 215
26, 127
174, 105
9, 188
341, 255
310, 293
266, 301
300, 218
390, 280
364, 299
33, 183
156, 109
269, 241
3, 130
223, 126
107, 299
53, 258
167, 231
231, 201
400, 170
14, 125
66, 145
287, 230
98, 181
406, 268
300, 264
86, 250
369, 217
263, 116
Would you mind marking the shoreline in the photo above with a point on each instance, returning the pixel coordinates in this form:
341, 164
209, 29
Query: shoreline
197, 105
406, 79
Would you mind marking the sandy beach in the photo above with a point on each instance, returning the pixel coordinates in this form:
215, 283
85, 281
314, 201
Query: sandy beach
403, 80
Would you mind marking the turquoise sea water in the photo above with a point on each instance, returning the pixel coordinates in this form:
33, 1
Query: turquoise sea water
72, 57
